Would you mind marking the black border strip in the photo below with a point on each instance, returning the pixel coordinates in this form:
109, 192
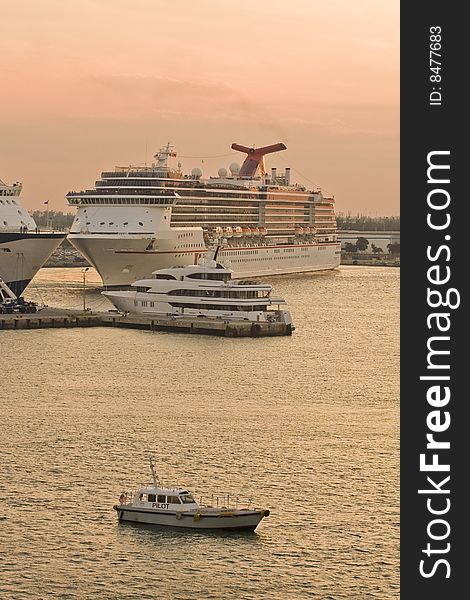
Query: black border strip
427, 128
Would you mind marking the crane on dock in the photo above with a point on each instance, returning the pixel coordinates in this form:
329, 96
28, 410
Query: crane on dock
10, 303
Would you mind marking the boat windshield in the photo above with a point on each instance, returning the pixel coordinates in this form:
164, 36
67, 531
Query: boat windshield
211, 276
188, 499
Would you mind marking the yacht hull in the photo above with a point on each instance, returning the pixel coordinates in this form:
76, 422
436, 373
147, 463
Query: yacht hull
236, 520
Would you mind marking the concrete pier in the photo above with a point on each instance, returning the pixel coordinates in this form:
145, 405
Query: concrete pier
55, 318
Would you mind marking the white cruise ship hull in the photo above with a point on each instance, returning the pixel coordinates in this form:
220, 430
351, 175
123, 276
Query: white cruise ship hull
256, 261
121, 261
23, 254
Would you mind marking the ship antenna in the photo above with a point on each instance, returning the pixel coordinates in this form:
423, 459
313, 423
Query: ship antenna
216, 252
153, 469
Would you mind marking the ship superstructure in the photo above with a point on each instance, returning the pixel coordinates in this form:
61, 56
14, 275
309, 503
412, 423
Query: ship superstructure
23, 247
139, 219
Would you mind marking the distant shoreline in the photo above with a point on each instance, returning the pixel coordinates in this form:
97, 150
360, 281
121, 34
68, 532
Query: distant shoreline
368, 262
69, 257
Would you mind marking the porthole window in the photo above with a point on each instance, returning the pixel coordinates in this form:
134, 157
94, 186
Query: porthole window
141, 224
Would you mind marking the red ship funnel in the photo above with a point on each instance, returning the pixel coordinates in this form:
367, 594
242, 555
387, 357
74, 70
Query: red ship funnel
255, 158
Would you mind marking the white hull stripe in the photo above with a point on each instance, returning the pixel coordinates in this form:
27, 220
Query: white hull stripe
183, 514
231, 249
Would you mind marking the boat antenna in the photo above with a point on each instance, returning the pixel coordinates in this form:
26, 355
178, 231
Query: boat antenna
153, 469
216, 252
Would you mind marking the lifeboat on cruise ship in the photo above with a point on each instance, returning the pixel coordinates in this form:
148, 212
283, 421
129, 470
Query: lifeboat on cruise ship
237, 232
299, 231
228, 231
218, 231
254, 231
263, 231
247, 231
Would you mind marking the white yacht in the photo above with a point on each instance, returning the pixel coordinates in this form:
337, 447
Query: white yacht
23, 248
202, 290
156, 504
140, 219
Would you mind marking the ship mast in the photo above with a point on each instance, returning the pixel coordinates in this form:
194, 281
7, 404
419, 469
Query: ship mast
153, 469
162, 157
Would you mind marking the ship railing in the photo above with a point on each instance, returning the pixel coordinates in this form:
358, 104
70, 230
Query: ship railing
139, 172
120, 201
123, 190
224, 501
221, 501
115, 234
32, 230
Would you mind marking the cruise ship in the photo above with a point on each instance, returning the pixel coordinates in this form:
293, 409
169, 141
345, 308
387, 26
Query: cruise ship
23, 248
140, 219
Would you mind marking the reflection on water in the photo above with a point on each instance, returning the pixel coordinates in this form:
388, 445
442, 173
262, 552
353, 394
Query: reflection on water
306, 426
163, 536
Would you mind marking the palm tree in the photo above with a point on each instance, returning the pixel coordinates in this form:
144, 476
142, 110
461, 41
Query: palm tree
362, 244
350, 248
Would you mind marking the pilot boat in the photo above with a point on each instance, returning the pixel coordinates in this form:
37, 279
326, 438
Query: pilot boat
156, 504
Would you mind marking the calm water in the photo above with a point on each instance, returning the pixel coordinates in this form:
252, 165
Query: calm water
307, 426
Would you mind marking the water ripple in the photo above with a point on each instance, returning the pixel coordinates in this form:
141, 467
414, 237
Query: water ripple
306, 426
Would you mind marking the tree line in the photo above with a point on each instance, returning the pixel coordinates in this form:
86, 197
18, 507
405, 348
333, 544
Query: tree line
363, 223
362, 244
53, 218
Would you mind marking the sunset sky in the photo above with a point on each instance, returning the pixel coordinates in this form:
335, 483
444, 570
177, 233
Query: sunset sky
90, 84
